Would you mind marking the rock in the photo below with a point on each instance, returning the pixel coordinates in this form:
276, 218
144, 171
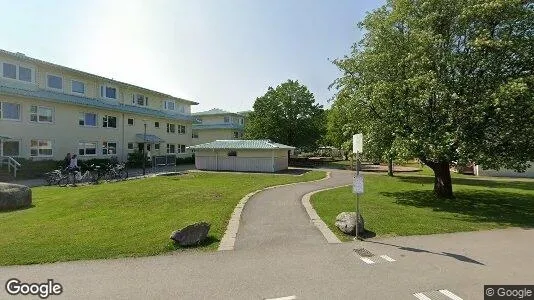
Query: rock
346, 222
13, 196
191, 235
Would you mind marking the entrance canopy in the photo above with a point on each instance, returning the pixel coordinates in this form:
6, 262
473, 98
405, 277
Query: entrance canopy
149, 138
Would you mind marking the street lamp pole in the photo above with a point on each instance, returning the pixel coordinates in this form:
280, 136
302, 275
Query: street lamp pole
144, 146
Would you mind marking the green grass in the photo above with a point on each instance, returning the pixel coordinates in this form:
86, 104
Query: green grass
405, 205
132, 218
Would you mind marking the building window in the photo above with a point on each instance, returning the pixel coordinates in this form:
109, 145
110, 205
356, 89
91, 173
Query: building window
195, 135
130, 146
10, 111
236, 134
171, 128
226, 119
171, 149
78, 87
156, 124
11, 148
108, 92
41, 114
232, 153
140, 100
181, 129
109, 122
182, 148
25, 74
182, 108
40, 148
109, 148
241, 121
156, 146
169, 105
87, 119
9, 71
54, 82
87, 148
130, 121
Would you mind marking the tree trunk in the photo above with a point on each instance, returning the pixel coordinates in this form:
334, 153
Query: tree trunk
390, 167
442, 179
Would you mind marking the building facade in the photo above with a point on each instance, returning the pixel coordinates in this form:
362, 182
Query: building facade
47, 110
217, 124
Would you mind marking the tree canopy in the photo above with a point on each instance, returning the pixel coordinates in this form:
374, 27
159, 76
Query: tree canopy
445, 81
287, 114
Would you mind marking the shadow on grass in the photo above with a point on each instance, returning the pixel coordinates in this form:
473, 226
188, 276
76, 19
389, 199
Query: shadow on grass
207, 242
459, 257
488, 183
16, 209
505, 208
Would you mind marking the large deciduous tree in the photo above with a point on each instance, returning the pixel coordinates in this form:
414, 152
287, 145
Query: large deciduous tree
451, 80
287, 114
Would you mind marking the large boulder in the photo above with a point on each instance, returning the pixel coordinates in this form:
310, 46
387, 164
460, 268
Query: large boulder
191, 235
13, 196
346, 222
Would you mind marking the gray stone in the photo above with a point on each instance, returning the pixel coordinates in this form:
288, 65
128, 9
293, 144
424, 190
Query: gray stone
13, 196
346, 222
191, 235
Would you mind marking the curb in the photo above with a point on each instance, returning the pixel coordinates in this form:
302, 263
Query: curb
330, 237
228, 240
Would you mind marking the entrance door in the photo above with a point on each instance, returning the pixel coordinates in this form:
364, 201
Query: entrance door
140, 146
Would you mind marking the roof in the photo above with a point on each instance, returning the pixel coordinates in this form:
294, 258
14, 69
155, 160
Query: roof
214, 112
153, 139
57, 97
217, 126
242, 144
21, 56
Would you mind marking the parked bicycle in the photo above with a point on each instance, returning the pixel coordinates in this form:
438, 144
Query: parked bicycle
65, 177
116, 172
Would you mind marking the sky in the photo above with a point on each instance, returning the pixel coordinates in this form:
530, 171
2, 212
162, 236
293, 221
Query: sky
222, 54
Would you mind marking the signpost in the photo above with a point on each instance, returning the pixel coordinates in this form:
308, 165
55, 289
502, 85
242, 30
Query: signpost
357, 186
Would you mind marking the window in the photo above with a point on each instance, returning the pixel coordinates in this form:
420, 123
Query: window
169, 105
87, 119
232, 153
171, 128
87, 148
156, 124
182, 148
11, 148
41, 114
78, 87
40, 148
109, 148
181, 129
156, 146
195, 134
9, 71
171, 149
130, 121
108, 92
182, 108
10, 111
140, 100
25, 74
109, 122
147, 147
241, 121
236, 134
130, 146
226, 119
54, 82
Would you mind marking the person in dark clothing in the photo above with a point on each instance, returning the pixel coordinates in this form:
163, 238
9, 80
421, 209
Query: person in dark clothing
66, 161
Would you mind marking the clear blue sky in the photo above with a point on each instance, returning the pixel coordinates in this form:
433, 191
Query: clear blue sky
221, 54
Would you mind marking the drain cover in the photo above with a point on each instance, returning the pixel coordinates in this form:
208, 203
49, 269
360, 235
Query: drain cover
363, 252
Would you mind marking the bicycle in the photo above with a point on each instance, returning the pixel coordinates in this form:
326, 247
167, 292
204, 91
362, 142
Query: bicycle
116, 172
74, 177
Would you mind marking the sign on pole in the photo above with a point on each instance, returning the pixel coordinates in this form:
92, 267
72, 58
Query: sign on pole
357, 185
357, 143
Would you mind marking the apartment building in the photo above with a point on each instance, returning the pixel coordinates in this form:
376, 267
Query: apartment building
217, 124
47, 110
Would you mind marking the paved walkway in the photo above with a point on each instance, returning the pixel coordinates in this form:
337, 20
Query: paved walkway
275, 218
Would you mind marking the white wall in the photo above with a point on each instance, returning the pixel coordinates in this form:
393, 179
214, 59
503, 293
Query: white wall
245, 161
479, 171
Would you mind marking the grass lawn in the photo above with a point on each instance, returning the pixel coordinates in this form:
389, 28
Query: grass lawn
405, 205
132, 218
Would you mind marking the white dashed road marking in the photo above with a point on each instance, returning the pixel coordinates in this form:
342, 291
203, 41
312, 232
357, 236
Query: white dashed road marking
387, 258
421, 296
284, 298
367, 260
450, 294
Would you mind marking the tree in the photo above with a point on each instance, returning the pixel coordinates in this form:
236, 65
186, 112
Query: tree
289, 115
452, 80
